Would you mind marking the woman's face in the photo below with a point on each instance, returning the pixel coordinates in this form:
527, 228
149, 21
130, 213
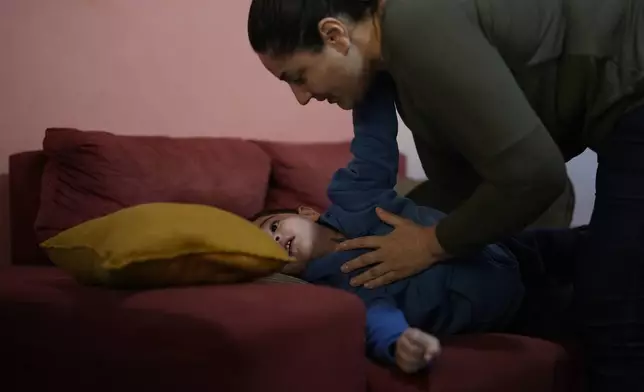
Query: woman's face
337, 74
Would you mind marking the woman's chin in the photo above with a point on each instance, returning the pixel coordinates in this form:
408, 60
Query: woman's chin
344, 105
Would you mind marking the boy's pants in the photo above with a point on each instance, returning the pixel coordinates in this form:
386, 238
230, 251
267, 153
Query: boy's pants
547, 263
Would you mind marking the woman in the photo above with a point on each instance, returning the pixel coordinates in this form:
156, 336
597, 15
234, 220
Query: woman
498, 94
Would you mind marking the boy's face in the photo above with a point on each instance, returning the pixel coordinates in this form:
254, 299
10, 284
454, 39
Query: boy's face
299, 234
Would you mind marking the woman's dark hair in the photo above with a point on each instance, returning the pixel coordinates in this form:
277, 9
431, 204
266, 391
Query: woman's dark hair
280, 27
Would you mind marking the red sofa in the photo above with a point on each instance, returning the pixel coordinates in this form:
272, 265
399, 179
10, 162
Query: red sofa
58, 335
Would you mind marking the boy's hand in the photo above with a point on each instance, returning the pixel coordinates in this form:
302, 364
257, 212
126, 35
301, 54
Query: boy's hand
414, 350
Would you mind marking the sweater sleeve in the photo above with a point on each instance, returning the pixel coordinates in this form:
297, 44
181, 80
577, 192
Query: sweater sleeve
385, 324
385, 320
369, 179
465, 92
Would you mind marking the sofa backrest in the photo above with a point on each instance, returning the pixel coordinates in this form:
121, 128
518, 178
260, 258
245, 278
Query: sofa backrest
25, 173
299, 175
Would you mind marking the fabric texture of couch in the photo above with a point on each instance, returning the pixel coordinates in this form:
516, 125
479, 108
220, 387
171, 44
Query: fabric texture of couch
58, 334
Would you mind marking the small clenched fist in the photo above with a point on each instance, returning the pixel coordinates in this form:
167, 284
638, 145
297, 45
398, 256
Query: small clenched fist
415, 349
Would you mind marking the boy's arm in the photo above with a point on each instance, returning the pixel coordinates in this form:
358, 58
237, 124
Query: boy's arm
391, 340
369, 179
385, 324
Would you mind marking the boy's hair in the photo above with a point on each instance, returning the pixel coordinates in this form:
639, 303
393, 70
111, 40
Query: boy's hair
276, 211
280, 27
293, 211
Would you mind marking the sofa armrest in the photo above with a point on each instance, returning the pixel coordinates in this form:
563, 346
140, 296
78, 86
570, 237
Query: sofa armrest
253, 337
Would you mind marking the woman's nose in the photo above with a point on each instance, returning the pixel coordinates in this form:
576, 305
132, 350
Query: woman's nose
302, 96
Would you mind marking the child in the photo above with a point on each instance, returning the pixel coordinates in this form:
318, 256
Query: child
476, 293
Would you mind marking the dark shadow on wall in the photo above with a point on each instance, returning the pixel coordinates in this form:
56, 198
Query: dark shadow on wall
4, 220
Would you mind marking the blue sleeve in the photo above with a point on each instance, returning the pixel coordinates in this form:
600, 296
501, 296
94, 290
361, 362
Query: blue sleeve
385, 321
369, 179
385, 324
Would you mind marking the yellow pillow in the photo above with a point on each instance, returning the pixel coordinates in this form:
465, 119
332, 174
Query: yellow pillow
166, 244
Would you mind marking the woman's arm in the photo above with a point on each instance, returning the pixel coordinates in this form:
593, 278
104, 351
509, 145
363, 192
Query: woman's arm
464, 90
449, 182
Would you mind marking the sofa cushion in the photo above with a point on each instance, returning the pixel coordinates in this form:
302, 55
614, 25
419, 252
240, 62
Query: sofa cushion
92, 174
485, 363
166, 244
301, 172
242, 338
190, 338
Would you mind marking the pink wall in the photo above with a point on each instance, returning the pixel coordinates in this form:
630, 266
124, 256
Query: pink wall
140, 67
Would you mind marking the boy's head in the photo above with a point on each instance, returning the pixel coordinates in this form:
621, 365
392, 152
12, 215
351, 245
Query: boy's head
299, 233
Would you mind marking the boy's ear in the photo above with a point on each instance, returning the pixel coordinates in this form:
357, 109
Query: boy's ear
309, 213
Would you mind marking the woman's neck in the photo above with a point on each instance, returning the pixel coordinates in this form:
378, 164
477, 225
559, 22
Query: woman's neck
366, 37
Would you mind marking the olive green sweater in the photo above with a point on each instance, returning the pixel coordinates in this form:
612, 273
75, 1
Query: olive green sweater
500, 93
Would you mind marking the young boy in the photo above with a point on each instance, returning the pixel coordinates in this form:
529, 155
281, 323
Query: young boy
476, 293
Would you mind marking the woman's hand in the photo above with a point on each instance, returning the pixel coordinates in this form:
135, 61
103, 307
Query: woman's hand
407, 250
